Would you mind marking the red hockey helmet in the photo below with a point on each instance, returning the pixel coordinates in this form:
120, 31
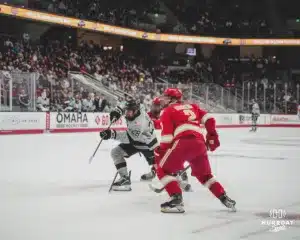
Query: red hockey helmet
173, 93
156, 101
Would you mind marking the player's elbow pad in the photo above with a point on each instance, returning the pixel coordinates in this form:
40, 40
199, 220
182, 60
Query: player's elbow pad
210, 125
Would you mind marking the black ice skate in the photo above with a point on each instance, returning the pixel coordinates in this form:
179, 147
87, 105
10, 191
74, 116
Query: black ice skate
229, 203
149, 176
183, 182
123, 184
175, 205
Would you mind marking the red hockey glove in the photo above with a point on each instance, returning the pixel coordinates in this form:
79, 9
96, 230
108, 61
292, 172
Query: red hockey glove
212, 138
212, 141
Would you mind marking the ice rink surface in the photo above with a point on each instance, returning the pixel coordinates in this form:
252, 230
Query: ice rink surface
50, 192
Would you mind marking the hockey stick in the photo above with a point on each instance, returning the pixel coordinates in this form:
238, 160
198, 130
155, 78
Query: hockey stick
159, 190
96, 150
111, 185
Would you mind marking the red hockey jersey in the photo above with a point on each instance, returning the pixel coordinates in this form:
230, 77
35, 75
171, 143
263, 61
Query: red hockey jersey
180, 120
155, 120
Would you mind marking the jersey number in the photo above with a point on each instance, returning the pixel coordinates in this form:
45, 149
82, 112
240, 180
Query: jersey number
190, 113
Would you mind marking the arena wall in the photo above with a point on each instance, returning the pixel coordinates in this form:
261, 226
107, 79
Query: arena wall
42, 122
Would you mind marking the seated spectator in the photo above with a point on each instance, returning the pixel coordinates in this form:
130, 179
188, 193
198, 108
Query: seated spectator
88, 103
43, 103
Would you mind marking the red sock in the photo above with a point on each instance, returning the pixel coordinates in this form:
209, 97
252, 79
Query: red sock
211, 183
170, 182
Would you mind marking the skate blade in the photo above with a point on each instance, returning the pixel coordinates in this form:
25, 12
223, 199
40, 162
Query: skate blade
178, 209
121, 188
146, 180
233, 209
188, 190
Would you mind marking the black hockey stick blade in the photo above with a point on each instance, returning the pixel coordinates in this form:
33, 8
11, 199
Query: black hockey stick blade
113, 181
159, 190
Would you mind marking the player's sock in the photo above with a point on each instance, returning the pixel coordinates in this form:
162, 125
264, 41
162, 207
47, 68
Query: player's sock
122, 168
216, 189
212, 184
169, 181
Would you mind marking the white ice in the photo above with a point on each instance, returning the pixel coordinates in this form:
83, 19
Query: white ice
48, 190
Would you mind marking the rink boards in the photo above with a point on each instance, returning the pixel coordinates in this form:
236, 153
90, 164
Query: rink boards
45, 122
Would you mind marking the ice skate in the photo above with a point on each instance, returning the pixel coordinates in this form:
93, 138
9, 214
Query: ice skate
229, 203
149, 176
175, 205
123, 184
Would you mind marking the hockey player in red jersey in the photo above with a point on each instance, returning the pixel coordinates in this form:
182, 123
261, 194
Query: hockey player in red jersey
155, 112
181, 140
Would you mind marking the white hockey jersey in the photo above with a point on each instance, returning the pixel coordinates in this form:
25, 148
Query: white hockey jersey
140, 132
255, 109
298, 111
42, 103
88, 105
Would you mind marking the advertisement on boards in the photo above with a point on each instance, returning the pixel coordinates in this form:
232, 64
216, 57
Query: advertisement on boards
22, 123
245, 119
66, 121
285, 119
20, 120
224, 119
102, 120
71, 120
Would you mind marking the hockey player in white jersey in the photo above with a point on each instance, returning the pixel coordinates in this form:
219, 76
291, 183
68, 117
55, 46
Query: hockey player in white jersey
255, 114
139, 137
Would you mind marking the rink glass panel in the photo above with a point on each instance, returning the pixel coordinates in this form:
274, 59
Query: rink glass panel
272, 98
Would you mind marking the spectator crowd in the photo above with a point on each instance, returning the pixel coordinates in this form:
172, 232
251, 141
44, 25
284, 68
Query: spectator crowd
208, 17
246, 79
217, 81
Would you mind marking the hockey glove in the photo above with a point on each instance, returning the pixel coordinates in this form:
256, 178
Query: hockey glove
108, 134
116, 114
212, 141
